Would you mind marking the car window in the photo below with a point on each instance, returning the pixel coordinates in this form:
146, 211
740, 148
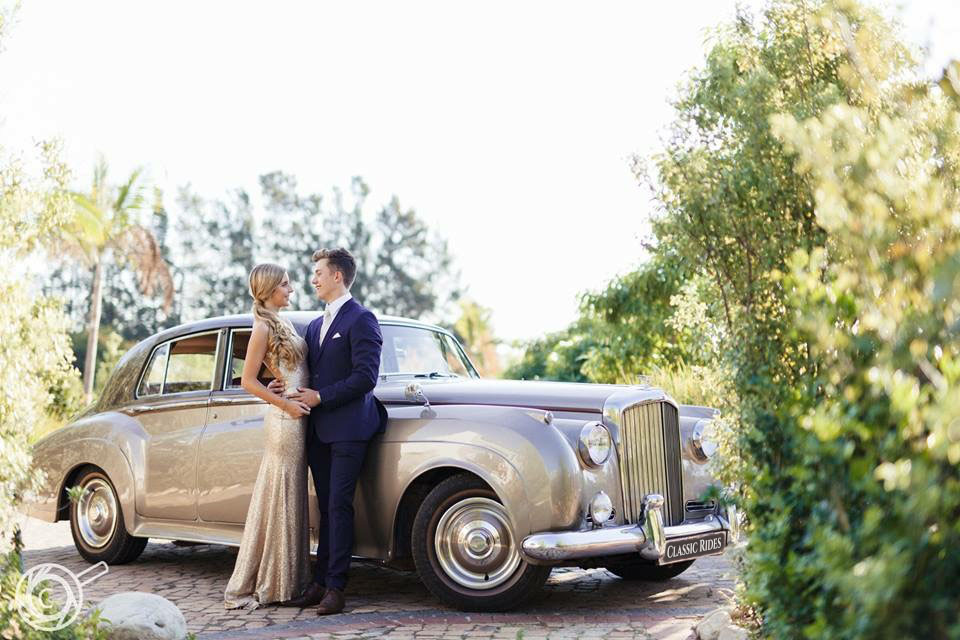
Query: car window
153, 378
239, 339
191, 364
452, 356
421, 351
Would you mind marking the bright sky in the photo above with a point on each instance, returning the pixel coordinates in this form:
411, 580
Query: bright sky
507, 125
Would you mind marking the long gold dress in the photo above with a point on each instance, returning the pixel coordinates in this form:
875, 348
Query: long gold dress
273, 563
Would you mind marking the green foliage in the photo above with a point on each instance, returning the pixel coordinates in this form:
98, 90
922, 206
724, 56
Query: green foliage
818, 182
629, 323
557, 356
624, 331
34, 350
15, 627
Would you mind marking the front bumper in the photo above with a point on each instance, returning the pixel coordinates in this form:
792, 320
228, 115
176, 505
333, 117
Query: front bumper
648, 538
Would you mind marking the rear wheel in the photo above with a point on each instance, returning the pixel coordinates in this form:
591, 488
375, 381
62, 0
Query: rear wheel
96, 522
640, 570
465, 552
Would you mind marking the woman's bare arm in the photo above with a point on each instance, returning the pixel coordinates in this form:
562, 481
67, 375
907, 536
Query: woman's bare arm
256, 350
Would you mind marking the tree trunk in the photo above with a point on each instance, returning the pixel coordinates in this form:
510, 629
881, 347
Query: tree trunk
93, 331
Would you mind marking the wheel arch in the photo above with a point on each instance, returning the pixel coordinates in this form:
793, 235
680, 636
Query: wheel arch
112, 463
413, 496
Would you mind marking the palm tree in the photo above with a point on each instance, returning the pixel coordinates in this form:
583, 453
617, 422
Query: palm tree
105, 228
475, 329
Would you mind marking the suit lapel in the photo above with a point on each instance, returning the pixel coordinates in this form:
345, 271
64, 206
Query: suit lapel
338, 320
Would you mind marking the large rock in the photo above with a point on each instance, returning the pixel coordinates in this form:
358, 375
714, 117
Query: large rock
734, 633
710, 627
134, 615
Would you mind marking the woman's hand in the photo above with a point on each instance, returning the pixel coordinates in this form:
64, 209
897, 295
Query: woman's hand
295, 408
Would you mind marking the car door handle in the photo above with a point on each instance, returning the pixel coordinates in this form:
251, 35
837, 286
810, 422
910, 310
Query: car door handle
132, 411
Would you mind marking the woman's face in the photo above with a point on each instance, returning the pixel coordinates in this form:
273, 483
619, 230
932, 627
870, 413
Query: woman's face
280, 297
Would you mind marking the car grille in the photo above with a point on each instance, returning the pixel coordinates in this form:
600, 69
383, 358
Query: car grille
649, 451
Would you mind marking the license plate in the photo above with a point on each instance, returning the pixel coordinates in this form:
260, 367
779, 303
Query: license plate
680, 549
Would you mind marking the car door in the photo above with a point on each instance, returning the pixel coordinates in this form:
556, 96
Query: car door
174, 394
231, 445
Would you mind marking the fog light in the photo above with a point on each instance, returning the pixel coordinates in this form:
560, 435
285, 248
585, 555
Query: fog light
601, 508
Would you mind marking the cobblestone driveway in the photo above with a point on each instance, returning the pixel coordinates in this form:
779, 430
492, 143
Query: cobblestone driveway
381, 603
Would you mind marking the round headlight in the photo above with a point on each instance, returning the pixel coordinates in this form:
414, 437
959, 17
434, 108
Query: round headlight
701, 445
595, 444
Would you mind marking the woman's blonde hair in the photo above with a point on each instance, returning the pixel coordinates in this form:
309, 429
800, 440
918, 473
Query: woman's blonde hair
264, 279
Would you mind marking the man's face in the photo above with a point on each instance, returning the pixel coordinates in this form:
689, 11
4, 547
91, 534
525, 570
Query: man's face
325, 280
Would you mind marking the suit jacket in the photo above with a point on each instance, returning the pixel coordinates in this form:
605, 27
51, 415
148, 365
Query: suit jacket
344, 371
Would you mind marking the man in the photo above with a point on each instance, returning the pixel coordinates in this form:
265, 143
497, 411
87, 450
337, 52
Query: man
344, 361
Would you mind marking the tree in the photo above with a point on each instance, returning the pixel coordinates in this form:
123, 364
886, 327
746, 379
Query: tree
629, 323
624, 331
558, 356
813, 181
105, 229
218, 244
403, 267
126, 310
474, 329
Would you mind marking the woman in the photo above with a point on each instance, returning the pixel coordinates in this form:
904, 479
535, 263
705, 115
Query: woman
274, 559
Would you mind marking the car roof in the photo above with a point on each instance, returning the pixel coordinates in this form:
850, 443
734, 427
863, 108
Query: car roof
300, 319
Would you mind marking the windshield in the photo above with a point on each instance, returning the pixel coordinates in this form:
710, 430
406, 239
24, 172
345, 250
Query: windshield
418, 351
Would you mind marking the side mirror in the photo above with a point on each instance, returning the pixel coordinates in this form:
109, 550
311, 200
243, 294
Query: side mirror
414, 393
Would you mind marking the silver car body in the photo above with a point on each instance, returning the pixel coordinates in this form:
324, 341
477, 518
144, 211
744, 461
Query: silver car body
183, 464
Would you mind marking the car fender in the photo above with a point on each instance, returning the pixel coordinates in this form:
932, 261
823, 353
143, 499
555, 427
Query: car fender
526, 462
102, 440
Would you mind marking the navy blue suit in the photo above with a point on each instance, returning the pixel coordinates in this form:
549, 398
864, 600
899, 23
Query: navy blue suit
344, 371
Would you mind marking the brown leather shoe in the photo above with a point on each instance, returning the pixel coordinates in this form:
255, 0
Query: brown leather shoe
331, 603
312, 595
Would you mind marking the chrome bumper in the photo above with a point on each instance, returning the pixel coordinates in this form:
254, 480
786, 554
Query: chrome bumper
647, 538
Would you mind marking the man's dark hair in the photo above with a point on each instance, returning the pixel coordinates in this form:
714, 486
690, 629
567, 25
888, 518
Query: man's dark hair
341, 260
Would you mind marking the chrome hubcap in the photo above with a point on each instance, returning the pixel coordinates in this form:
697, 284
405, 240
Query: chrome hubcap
474, 545
97, 513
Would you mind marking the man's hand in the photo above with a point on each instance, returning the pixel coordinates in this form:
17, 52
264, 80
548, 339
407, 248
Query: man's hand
307, 396
277, 386
295, 409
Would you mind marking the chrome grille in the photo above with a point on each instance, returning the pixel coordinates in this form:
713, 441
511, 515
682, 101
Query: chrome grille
649, 451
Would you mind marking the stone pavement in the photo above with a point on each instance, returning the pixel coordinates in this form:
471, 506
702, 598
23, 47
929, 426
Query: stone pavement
394, 605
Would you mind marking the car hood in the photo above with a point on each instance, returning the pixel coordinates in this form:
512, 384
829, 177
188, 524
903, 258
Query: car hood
549, 396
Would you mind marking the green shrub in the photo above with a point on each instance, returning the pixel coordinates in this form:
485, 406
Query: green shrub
818, 181
14, 626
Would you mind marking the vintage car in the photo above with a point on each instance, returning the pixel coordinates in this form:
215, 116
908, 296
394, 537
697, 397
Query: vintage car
480, 485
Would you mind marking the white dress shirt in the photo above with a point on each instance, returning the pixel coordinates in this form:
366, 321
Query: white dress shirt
331, 312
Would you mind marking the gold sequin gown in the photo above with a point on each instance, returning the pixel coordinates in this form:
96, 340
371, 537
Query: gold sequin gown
273, 563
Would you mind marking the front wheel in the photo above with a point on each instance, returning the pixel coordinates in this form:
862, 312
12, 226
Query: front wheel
465, 552
640, 570
96, 522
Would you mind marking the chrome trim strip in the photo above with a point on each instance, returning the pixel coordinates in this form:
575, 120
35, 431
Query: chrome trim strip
166, 406
217, 401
